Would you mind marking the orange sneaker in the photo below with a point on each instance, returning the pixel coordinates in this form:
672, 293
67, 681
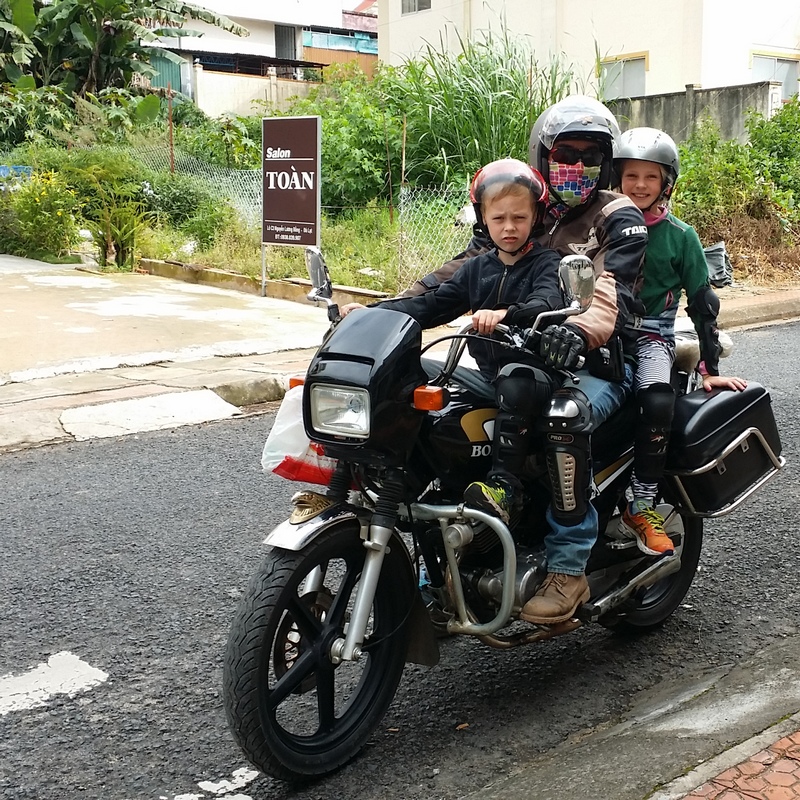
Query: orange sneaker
647, 525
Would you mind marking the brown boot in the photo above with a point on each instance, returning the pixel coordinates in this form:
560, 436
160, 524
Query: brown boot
556, 599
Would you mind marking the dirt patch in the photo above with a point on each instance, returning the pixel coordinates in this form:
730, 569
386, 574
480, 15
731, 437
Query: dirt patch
762, 252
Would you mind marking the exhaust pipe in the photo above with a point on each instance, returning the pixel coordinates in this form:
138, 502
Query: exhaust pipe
666, 565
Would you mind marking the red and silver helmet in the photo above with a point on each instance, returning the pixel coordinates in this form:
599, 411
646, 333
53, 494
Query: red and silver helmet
508, 171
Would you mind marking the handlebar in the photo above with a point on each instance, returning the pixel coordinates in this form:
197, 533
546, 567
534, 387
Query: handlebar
524, 339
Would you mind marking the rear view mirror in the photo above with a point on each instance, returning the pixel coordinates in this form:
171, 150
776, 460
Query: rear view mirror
576, 276
319, 275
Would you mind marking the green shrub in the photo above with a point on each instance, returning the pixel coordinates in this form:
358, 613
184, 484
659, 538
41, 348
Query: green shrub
210, 218
175, 198
236, 247
722, 180
46, 209
162, 243
10, 241
775, 147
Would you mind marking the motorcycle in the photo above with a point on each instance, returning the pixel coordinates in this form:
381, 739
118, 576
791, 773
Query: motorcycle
371, 572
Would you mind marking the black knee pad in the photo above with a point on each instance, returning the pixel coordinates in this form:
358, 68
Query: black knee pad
656, 405
523, 390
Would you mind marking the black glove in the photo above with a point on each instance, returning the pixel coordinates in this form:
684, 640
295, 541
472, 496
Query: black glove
561, 346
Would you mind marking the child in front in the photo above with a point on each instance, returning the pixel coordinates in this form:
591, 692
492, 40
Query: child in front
512, 283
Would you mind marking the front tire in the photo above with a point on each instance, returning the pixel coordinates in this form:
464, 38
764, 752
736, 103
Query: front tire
651, 609
294, 713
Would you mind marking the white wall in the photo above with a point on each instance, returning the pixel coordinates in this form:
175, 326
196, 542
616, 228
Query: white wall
261, 40
284, 12
706, 42
731, 40
219, 93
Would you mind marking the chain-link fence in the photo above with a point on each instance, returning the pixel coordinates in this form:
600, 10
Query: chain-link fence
433, 229
240, 187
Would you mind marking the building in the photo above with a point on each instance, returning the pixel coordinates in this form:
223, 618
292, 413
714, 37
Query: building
289, 43
643, 48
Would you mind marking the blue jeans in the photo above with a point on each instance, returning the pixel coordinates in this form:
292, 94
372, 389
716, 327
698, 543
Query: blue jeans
567, 547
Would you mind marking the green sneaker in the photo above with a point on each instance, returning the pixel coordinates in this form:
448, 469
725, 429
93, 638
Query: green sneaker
489, 497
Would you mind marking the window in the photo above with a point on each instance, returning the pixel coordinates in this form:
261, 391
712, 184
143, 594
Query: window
623, 77
412, 6
768, 68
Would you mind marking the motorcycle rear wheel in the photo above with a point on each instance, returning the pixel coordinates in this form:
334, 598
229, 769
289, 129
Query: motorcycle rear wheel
659, 601
294, 713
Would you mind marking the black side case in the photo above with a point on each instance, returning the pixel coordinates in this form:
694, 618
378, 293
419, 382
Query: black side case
723, 446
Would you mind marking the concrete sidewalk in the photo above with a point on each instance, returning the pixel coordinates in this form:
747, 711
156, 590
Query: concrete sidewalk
86, 355
731, 735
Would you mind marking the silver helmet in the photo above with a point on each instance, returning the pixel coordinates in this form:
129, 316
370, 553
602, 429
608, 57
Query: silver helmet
650, 144
576, 116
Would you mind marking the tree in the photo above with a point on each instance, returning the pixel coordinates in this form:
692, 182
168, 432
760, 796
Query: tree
90, 45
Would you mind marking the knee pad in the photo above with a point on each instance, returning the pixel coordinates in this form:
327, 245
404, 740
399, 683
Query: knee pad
523, 390
567, 425
656, 405
510, 446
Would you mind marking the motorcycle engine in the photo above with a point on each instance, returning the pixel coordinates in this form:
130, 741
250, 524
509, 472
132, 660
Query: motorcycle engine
530, 573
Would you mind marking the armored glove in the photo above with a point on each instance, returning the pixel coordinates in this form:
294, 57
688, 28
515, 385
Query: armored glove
562, 346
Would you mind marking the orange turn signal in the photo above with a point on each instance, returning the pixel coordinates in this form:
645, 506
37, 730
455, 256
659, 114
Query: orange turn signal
429, 398
296, 380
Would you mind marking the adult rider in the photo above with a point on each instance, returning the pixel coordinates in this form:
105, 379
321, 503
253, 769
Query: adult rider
572, 145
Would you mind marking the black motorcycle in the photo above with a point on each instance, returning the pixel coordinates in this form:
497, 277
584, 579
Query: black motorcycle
369, 572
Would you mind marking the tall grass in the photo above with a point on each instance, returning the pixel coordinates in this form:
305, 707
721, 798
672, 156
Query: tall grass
463, 110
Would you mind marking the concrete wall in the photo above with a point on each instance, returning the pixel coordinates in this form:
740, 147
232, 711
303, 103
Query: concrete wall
678, 113
224, 92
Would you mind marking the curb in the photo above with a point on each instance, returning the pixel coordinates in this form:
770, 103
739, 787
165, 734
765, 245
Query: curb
708, 770
285, 289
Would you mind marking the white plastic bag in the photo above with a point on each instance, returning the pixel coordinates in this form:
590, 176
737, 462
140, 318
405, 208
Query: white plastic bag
288, 452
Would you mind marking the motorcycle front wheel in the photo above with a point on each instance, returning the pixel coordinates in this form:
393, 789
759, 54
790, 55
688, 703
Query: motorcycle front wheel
656, 604
295, 713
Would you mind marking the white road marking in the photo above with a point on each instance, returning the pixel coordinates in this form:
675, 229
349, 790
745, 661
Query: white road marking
241, 777
64, 673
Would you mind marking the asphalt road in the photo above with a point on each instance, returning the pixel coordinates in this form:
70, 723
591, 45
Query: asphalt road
130, 555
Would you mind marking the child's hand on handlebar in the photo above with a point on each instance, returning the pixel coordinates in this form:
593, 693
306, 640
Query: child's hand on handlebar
347, 308
486, 320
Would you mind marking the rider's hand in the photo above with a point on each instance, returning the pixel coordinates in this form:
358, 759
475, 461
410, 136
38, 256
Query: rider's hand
485, 320
346, 309
562, 346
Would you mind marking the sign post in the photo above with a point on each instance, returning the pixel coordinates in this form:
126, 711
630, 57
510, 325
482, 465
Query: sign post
291, 184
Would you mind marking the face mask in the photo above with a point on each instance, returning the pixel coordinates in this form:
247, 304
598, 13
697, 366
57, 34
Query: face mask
573, 183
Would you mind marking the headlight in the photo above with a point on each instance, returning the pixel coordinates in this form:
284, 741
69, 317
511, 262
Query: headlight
340, 410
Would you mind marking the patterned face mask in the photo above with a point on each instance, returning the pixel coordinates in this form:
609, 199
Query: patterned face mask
573, 183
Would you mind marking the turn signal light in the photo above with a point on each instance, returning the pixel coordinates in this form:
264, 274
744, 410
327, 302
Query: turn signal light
296, 380
429, 398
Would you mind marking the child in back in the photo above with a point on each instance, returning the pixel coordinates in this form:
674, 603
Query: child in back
647, 166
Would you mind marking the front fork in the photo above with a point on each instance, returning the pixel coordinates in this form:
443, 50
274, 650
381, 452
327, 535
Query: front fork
376, 540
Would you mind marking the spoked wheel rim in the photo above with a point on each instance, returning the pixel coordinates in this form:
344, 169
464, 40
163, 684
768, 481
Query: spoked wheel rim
312, 707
